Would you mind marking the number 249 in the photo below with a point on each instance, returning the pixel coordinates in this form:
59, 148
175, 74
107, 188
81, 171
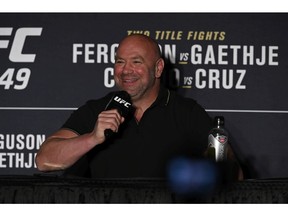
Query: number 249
22, 76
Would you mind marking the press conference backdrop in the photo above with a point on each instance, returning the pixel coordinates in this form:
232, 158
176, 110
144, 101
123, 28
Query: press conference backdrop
235, 65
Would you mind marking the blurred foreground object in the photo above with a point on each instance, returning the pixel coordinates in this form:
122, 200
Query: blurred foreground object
193, 177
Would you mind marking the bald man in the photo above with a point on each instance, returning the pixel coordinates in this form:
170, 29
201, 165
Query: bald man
163, 126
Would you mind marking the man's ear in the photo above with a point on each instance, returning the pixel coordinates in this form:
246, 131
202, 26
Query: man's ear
159, 67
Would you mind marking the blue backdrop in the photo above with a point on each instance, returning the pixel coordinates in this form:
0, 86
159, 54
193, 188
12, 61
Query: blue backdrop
234, 65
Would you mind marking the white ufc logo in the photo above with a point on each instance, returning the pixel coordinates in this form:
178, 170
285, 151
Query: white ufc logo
122, 101
18, 42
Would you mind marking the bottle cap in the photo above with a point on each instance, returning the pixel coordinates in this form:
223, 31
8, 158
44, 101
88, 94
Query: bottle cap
219, 120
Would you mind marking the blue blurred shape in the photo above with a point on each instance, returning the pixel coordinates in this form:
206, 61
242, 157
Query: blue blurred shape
193, 177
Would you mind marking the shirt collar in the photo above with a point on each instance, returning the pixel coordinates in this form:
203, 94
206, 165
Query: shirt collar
163, 97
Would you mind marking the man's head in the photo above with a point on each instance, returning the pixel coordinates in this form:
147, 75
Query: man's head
138, 66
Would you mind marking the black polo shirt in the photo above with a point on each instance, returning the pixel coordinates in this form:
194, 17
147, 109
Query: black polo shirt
173, 126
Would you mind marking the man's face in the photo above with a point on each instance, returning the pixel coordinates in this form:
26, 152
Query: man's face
135, 65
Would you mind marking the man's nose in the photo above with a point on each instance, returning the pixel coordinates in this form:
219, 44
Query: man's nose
128, 68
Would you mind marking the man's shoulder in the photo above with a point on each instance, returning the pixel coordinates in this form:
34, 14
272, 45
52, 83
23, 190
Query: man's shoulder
177, 98
97, 103
185, 104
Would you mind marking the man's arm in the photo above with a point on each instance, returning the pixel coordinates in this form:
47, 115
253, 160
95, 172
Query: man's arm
238, 172
63, 148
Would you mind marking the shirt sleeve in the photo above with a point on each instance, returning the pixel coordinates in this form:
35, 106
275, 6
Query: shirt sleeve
84, 118
81, 120
196, 125
202, 124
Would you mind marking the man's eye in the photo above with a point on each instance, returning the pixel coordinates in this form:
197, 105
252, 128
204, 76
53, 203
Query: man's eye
137, 62
119, 61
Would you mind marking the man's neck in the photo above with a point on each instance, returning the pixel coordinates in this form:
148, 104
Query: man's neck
145, 102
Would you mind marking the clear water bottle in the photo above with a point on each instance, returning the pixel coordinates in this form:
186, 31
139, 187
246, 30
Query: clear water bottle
218, 140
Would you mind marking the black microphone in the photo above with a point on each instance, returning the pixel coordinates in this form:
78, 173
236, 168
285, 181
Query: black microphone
122, 102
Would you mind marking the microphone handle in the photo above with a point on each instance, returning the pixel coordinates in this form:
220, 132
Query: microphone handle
108, 133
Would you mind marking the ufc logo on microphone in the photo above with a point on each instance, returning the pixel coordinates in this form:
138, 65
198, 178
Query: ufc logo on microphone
18, 42
121, 101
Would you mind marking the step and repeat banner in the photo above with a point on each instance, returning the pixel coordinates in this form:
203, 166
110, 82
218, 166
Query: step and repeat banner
235, 65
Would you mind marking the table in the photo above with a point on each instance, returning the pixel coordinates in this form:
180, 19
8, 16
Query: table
56, 189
